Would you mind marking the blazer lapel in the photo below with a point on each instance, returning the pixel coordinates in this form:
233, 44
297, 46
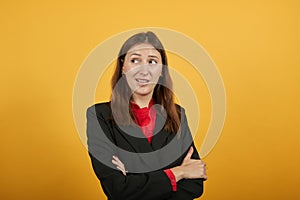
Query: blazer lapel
130, 138
135, 142
139, 143
160, 136
135, 138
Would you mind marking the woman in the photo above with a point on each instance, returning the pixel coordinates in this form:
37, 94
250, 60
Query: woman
140, 143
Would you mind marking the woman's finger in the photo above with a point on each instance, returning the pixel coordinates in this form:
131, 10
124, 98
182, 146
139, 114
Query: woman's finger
122, 170
189, 154
116, 161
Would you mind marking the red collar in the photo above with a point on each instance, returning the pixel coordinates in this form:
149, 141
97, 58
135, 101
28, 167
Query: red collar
135, 107
145, 118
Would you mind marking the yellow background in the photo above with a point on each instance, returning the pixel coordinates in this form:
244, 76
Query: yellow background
254, 44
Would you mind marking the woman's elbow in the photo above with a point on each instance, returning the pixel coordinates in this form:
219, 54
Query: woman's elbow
199, 189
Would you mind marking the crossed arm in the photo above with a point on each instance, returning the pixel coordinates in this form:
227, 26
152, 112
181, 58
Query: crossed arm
189, 169
118, 184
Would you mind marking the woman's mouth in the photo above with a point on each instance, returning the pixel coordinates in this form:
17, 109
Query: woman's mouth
142, 81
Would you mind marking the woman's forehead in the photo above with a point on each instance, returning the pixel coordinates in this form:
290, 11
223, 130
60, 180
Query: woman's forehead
144, 47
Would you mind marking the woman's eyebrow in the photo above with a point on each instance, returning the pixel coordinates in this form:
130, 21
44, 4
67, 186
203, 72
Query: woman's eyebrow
153, 56
135, 54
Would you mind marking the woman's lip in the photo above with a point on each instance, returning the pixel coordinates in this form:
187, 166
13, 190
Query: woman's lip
142, 80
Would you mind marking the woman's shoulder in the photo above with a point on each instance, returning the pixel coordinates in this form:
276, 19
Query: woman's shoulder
179, 108
100, 109
100, 106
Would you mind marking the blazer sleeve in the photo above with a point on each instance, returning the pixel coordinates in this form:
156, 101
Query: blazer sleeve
188, 188
147, 186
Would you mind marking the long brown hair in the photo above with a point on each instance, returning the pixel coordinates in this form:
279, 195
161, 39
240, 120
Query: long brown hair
162, 94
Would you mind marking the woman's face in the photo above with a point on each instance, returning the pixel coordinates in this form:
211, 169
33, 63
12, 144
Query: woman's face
142, 67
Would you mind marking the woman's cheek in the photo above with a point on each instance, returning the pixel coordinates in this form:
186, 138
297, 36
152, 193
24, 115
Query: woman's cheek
157, 72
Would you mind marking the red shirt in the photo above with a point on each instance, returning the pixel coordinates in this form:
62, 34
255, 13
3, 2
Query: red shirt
145, 118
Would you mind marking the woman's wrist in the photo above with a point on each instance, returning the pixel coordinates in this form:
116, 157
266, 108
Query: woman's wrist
178, 173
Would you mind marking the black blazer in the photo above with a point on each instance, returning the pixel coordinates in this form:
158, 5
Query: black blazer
145, 162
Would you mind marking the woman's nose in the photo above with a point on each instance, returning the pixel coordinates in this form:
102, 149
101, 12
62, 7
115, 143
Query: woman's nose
144, 69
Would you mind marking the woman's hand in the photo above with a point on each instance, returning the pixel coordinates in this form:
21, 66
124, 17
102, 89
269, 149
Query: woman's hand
116, 161
190, 168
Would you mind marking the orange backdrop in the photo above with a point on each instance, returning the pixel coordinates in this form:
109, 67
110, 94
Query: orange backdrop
253, 43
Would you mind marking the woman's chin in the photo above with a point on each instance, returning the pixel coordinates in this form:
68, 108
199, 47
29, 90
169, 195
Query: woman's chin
143, 91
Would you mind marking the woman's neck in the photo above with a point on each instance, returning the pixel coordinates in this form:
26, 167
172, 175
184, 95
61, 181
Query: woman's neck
142, 101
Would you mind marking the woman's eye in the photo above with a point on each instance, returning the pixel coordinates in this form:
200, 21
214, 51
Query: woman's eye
152, 62
134, 61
